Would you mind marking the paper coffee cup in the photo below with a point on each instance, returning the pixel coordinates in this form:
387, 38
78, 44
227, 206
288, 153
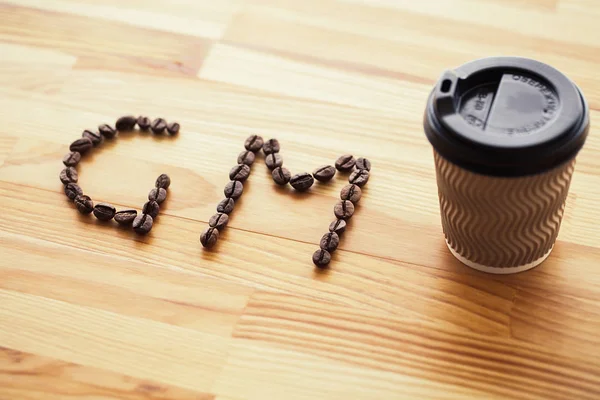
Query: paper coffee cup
505, 133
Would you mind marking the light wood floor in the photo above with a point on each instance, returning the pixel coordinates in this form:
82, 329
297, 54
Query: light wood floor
93, 312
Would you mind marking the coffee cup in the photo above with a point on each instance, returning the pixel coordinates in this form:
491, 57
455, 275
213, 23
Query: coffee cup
505, 132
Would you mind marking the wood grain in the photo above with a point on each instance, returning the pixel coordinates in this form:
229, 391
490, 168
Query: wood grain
28, 376
90, 310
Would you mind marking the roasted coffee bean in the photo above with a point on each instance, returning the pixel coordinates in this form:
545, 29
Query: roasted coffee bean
345, 163
95, 137
218, 221
107, 131
321, 258
143, 123
125, 217
254, 143
84, 204
142, 224
151, 208
69, 175
104, 211
281, 176
359, 177
226, 206
330, 241
72, 190
209, 237
234, 190
81, 145
338, 226
324, 173
125, 123
240, 172
163, 181
302, 182
273, 161
173, 128
344, 209
246, 157
271, 146
158, 195
351, 192
72, 159
158, 126
363, 163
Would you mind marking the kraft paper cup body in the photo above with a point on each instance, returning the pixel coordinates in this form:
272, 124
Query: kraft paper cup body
505, 133
498, 224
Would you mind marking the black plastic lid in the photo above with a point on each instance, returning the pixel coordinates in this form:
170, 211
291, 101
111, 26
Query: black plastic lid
506, 116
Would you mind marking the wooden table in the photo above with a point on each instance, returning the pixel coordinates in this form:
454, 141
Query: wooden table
91, 311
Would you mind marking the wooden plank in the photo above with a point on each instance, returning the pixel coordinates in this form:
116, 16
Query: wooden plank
47, 75
33, 377
138, 347
346, 31
498, 366
161, 293
80, 35
258, 371
275, 74
504, 15
202, 18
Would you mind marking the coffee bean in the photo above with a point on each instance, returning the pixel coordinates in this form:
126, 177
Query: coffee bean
84, 204
173, 128
254, 143
69, 175
338, 226
151, 208
273, 161
209, 237
345, 163
351, 192
218, 221
72, 159
281, 176
158, 126
363, 163
330, 241
104, 211
143, 123
302, 182
95, 137
125, 217
158, 195
324, 173
125, 123
163, 181
246, 157
240, 172
226, 206
234, 189
142, 224
271, 146
321, 258
359, 177
107, 131
344, 209
72, 190
81, 145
